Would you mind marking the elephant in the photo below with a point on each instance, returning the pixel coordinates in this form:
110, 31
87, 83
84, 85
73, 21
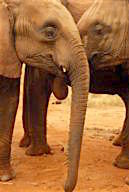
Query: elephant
108, 72
30, 36
111, 78
99, 79
107, 45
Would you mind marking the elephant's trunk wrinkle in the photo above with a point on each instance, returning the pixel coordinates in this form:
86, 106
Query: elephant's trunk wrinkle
75, 44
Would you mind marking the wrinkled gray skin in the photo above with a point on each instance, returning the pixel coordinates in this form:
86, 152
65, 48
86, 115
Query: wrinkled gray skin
112, 80
46, 42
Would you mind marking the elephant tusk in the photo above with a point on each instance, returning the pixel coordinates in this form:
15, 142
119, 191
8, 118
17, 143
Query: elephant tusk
64, 69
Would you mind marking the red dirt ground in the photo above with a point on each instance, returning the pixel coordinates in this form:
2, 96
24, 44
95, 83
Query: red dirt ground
47, 173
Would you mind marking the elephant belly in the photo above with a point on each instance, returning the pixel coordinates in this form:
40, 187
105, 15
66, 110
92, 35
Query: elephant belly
106, 81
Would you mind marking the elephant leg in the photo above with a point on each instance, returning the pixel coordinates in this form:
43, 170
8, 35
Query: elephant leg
122, 161
9, 98
26, 140
124, 133
37, 93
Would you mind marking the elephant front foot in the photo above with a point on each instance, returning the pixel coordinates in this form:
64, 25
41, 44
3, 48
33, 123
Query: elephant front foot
6, 173
37, 150
127, 180
25, 141
118, 141
122, 161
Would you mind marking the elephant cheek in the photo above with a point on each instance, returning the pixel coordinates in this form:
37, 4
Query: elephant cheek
60, 89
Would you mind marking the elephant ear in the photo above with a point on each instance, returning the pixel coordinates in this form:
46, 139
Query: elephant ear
10, 66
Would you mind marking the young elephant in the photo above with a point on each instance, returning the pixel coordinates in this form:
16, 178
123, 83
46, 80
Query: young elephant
107, 48
105, 80
30, 36
108, 69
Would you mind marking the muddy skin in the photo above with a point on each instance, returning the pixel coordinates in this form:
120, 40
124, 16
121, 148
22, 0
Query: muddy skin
9, 99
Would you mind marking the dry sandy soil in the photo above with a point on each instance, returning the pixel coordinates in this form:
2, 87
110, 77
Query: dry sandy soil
47, 173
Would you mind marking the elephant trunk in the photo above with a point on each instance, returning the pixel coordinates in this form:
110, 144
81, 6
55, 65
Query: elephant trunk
79, 77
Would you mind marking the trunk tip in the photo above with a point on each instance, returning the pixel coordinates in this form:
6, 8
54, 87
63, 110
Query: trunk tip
69, 186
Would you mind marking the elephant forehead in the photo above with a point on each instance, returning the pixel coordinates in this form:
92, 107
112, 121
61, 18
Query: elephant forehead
48, 10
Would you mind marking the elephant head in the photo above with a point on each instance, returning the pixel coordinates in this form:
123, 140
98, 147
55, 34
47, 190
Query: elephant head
107, 34
45, 36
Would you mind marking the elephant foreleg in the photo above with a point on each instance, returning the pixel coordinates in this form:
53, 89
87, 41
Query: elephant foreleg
36, 95
125, 130
122, 161
26, 140
9, 98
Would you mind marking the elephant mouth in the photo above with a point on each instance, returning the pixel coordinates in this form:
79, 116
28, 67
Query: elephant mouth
99, 59
63, 73
66, 77
47, 63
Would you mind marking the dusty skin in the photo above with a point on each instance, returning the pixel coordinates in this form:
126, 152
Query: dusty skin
46, 173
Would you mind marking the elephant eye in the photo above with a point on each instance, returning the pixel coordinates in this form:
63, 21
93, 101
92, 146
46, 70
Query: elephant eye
100, 29
50, 33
